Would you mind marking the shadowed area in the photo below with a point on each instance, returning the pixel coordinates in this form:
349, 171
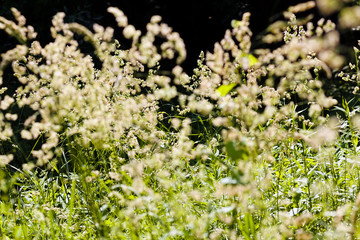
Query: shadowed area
200, 23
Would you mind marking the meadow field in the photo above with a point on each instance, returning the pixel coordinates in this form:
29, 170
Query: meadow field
110, 142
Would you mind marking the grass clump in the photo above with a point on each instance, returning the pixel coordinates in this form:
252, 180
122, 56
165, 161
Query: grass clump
112, 146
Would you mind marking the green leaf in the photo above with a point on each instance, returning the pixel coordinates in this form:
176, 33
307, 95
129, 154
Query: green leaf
223, 90
252, 59
236, 150
299, 165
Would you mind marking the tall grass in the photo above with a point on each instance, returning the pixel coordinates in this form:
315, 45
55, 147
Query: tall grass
251, 146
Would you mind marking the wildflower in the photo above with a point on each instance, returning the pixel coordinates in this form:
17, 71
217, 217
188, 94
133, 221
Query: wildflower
6, 159
328, 7
350, 17
129, 31
121, 19
6, 102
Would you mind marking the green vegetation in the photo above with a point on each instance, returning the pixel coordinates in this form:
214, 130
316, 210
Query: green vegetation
251, 146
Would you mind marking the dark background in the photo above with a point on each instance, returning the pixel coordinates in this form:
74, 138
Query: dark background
200, 23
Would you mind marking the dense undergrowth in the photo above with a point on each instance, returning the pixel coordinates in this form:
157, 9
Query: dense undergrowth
251, 146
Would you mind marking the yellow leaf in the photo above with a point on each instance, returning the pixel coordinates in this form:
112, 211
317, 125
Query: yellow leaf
223, 90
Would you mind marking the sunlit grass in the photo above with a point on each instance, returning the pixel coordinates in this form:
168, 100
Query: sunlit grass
248, 147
